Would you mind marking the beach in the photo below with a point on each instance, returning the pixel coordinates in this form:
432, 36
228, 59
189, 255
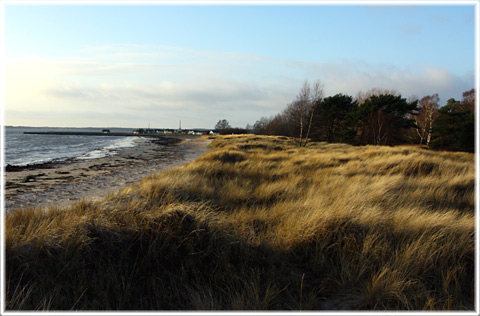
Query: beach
61, 184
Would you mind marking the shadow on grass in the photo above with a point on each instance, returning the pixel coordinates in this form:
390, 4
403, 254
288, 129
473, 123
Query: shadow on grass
174, 263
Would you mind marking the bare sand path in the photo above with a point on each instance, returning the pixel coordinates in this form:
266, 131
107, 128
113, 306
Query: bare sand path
62, 184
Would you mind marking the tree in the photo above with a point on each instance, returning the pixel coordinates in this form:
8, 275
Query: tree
260, 125
300, 112
316, 98
233, 130
385, 119
454, 127
278, 125
334, 119
363, 96
468, 101
222, 124
427, 112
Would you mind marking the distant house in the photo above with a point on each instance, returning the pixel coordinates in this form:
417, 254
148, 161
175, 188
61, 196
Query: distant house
106, 131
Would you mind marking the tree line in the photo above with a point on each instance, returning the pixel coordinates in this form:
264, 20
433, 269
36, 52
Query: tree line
375, 117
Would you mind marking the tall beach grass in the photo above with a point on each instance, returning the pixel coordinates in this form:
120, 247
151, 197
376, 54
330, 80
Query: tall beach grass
258, 223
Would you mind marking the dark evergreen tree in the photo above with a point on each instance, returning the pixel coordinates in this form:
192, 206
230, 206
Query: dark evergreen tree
334, 119
454, 128
385, 119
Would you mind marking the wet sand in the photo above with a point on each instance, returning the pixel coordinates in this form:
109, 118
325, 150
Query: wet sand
64, 183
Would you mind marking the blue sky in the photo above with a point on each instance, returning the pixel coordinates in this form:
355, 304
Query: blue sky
130, 65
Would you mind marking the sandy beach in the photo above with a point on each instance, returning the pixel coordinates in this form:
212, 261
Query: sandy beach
61, 184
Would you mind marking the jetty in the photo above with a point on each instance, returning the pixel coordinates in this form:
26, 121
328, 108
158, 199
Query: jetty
96, 134
156, 133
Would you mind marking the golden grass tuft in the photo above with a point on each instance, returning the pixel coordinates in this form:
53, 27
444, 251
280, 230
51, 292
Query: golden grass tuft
260, 224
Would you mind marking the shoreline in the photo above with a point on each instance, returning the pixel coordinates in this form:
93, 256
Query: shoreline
63, 183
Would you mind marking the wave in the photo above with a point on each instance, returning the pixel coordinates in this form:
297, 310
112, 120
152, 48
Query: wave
109, 150
23, 149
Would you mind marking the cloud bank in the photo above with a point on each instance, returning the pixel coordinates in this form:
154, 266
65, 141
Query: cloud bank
132, 86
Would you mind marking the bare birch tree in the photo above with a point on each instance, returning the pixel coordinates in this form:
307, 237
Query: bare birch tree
317, 97
300, 112
427, 112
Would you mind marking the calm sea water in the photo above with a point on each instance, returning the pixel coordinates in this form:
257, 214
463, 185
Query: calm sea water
24, 149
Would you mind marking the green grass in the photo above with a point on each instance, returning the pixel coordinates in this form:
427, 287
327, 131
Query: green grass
260, 224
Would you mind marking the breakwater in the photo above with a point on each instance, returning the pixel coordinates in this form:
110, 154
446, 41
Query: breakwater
94, 134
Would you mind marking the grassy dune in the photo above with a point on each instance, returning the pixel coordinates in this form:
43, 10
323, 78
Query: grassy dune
258, 223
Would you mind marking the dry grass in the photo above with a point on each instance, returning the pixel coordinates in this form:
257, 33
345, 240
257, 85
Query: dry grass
258, 223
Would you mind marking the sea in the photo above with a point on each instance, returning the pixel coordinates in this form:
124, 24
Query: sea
29, 149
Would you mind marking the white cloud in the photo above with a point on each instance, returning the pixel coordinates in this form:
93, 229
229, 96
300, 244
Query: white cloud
350, 77
131, 85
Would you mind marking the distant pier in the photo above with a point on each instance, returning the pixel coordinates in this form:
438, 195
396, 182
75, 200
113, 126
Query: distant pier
96, 134
156, 133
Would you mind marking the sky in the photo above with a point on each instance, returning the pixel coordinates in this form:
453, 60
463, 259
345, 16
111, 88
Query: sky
127, 65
